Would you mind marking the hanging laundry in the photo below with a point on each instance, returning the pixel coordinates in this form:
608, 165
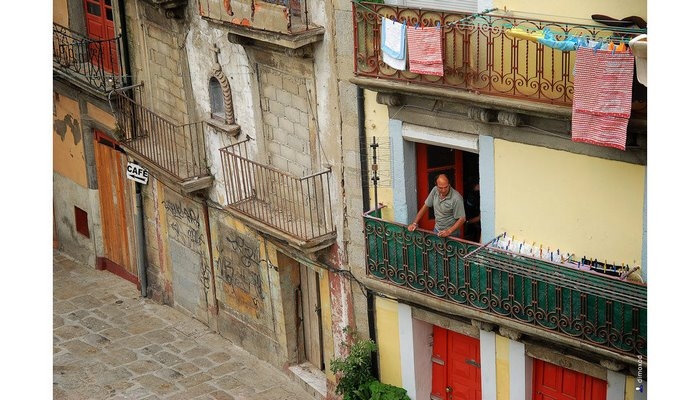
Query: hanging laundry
638, 45
569, 43
425, 50
393, 46
521, 33
602, 97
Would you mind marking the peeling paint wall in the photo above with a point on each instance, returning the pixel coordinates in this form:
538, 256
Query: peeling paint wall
248, 289
68, 150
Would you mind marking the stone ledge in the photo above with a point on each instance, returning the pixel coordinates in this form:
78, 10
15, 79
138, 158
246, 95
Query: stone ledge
312, 379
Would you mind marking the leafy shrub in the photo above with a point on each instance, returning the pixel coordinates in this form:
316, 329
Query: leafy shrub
376, 390
355, 368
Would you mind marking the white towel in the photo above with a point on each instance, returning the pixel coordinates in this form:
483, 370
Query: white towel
393, 38
393, 44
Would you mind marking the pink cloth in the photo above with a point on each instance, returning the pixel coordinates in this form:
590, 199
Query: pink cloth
602, 99
425, 50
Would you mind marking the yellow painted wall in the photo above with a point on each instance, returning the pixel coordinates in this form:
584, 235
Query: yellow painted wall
572, 11
68, 150
377, 125
388, 341
502, 367
103, 117
60, 12
583, 205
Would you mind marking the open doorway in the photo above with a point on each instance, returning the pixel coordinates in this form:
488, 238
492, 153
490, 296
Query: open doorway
463, 171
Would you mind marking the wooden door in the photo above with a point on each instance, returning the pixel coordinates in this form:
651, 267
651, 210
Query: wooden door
311, 316
99, 21
110, 164
552, 382
455, 366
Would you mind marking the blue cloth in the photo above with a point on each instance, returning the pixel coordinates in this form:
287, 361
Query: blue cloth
568, 44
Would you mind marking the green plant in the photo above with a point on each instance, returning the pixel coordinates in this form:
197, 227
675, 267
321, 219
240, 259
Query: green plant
353, 370
376, 390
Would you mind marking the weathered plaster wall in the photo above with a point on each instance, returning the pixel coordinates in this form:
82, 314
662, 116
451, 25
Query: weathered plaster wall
248, 289
70, 186
68, 150
67, 196
60, 12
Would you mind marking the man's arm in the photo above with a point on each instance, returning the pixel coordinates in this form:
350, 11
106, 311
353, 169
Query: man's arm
447, 232
414, 225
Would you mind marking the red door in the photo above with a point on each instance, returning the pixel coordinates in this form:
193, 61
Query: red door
552, 382
455, 366
431, 162
99, 19
461, 167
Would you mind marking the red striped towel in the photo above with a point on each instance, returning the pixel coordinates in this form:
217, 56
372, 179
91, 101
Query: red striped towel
425, 51
602, 97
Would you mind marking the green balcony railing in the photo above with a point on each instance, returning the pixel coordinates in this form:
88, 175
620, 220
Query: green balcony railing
597, 309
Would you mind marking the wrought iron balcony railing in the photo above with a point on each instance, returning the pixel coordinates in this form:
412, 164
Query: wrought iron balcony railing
602, 311
478, 55
92, 62
178, 150
299, 207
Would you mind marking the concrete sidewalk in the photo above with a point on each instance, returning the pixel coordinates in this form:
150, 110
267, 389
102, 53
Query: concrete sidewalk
110, 343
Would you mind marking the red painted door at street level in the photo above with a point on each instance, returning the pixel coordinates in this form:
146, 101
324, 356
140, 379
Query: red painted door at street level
552, 382
455, 366
99, 20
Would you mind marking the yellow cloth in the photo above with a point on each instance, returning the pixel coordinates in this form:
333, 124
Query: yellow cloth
521, 33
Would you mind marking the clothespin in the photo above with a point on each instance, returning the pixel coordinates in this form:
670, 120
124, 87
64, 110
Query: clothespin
598, 46
438, 24
416, 25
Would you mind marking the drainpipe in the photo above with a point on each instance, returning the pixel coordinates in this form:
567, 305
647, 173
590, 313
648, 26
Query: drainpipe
361, 116
124, 44
140, 226
370, 309
370, 298
142, 261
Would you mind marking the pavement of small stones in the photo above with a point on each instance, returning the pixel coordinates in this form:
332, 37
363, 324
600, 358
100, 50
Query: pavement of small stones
111, 343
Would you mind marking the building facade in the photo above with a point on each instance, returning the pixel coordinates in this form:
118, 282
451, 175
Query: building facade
251, 164
491, 321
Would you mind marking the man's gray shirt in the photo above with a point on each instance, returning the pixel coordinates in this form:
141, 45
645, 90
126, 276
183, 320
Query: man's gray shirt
446, 211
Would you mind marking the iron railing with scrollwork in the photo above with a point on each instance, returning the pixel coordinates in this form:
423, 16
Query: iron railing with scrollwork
593, 308
94, 62
478, 54
178, 149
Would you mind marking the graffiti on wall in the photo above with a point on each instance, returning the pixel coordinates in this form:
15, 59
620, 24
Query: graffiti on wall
184, 225
238, 267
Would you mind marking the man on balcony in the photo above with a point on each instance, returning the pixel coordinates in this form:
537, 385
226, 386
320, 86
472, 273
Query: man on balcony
449, 212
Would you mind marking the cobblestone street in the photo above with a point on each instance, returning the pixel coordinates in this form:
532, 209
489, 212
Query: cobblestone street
110, 343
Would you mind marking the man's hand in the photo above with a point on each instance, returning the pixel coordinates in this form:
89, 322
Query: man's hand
412, 227
444, 233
